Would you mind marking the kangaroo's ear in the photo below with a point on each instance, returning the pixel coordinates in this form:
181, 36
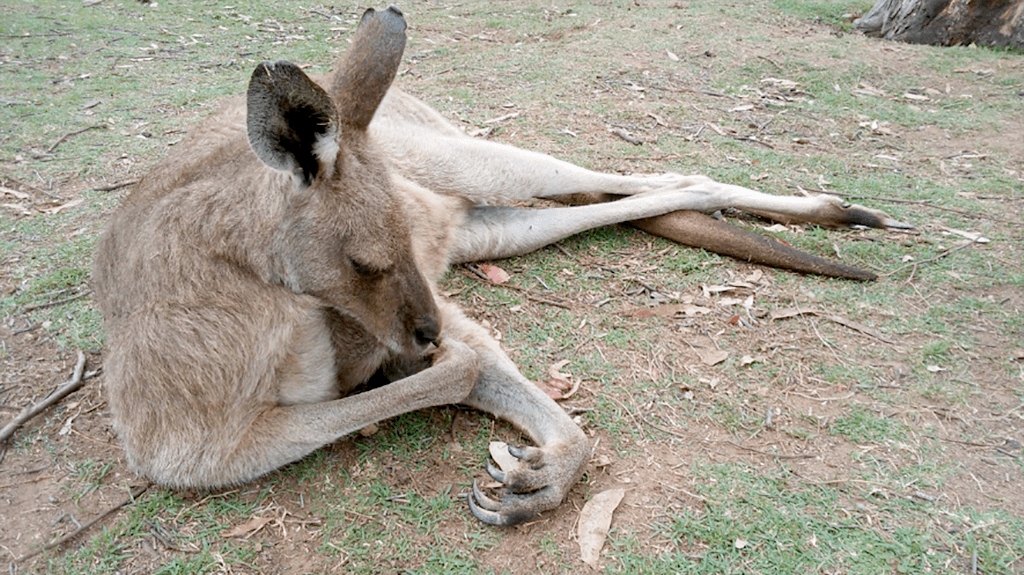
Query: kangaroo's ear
289, 120
369, 66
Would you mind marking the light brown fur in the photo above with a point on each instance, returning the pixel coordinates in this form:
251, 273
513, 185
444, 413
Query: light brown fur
287, 251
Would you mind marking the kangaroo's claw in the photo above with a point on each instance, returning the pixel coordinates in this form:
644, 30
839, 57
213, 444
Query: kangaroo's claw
538, 483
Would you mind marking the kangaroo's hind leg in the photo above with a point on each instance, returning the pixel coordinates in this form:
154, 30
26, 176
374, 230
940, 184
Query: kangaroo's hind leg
492, 232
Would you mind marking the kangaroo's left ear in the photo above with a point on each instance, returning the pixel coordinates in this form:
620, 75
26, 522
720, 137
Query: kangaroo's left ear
290, 120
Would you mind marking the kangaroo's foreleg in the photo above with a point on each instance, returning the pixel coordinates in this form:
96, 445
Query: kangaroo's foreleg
250, 445
545, 473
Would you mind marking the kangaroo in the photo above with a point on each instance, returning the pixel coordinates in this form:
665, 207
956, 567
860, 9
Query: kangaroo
283, 258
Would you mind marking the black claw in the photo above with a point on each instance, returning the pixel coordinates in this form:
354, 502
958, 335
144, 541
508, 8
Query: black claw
495, 473
488, 517
483, 500
517, 452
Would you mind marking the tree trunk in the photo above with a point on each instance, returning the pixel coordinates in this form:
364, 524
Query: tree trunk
947, 22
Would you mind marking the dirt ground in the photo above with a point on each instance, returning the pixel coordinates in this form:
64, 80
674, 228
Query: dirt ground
48, 490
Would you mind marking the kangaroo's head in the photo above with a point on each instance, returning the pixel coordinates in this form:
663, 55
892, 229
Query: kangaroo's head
344, 237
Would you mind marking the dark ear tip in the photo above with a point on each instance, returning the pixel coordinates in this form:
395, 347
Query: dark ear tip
392, 15
266, 69
261, 68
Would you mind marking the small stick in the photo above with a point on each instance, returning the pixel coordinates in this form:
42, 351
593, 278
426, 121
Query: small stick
474, 272
775, 455
626, 136
69, 134
56, 303
130, 499
914, 265
60, 393
116, 185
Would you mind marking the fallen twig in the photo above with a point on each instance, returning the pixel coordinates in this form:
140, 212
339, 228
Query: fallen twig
130, 499
60, 393
775, 455
116, 185
626, 136
60, 140
914, 265
475, 273
664, 429
55, 303
791, 312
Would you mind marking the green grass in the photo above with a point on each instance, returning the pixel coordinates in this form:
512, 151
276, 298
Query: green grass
757, 522
862, 426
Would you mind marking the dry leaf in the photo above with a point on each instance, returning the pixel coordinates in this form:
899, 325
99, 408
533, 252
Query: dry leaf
15, 193
248, 528
494, 273
559, 385
973, 236
741, 108
672, 310
708, 290
499, 453
595, 520
672, 56
716, 129
481, 132
712, 356
18, 208
728, 301
868, 90
916, 97
62, 207
557, 378
504, 118
749, 359
780, 83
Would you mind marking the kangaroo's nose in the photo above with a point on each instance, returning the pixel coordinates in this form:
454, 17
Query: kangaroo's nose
427, 330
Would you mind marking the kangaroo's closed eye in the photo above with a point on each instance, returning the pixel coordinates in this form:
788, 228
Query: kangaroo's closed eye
368, 271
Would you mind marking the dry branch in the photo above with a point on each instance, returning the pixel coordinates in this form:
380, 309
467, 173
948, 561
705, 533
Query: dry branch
116, 185
950, 251
60, 393
130, 499
793, 312
60, 140
775, 455
56, 303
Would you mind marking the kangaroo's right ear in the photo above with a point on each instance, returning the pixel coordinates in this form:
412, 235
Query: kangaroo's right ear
369, 66
290, 120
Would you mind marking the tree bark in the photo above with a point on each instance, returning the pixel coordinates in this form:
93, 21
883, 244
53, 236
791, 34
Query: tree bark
947, 22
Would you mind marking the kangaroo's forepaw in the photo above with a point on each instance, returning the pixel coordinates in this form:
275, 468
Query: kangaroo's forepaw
540, 481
